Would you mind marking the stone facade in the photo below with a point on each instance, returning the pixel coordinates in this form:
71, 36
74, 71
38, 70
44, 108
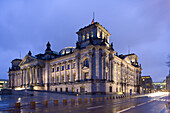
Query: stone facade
92, 67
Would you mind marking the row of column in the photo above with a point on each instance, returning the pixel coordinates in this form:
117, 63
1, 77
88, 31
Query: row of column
32, 76
60, 76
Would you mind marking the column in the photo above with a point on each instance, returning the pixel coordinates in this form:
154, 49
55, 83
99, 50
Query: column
90, 65
26, 77
40, 75
77, 68
71, 73
33, 78
21, 77
60, 81
37, 75
55, 78
65, 76
97, 63
103, 66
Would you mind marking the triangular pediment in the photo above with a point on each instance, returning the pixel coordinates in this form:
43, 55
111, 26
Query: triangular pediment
27, 59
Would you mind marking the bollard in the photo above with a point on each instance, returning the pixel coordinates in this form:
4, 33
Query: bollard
17, 104
100, 98
79, 100
55, 101
64, 101
46, 102
32, 104
107, 98
110, 97
86, 100
113, 97
73, 101
91, 99
96, 99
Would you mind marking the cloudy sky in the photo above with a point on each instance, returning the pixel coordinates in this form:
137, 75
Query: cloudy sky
143, 25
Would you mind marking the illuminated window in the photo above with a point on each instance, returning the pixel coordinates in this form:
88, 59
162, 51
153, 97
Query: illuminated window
91, 33
87, 36
68, 77
72, 89
83, 37
62, 78
86, 76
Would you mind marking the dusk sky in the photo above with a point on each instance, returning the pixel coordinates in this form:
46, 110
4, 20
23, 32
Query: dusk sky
141, 25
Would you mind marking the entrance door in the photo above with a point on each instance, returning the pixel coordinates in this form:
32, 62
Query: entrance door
110, 88
82, 89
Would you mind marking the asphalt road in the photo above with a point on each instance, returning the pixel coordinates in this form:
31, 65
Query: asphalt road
152, 103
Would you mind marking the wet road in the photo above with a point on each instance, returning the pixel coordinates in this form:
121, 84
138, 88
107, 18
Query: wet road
155, 103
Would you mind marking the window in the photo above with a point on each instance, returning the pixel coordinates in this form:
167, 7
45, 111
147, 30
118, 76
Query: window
62, 68
56, 89
62, 78
52, 70
74, 75
52, 79
72, 89
86, 62
83, 37
86, 76
91, 33
60, 89
57, 68
110, 88
66, 89
57, 78
68, 66
87, 36
68, 77
74, 65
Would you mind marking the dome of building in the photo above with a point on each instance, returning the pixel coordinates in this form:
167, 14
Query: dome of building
67, 50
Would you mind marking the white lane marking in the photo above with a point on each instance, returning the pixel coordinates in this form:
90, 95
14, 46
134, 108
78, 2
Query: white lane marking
94, 107
126, 109
134, 106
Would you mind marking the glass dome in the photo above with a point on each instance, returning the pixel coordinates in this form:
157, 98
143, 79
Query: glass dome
67, 50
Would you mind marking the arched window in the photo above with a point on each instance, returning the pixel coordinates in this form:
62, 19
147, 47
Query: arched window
86, 63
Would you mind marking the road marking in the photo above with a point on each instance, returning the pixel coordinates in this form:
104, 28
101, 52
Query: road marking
134, 106
94, 107
126, 109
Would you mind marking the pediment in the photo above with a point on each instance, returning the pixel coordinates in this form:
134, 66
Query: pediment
28, 59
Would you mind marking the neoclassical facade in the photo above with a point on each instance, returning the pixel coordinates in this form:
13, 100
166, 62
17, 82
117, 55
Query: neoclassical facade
93, 66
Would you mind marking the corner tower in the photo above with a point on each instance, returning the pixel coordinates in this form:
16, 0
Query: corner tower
94, 34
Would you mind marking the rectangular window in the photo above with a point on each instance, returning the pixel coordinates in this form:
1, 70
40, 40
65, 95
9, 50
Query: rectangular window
62, 68
57, 68
74, 65
52, 70
68, 66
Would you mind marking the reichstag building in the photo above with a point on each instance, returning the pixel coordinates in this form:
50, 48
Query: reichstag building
93, 66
